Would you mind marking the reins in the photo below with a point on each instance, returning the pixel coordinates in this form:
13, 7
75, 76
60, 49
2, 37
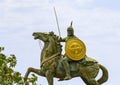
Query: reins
50, 58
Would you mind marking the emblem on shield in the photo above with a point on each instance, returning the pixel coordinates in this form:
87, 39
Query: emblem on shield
75, 49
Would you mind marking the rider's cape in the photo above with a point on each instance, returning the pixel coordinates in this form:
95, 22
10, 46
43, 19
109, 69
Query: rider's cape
75, 49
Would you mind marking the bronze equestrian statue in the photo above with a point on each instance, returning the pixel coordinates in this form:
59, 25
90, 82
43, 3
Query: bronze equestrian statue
54, 64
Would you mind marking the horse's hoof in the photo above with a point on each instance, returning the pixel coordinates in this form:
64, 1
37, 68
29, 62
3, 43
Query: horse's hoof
68, 77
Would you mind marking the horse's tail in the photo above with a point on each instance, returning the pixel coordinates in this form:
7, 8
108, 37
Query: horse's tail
104, 77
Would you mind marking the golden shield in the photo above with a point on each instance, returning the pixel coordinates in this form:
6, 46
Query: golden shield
75, 49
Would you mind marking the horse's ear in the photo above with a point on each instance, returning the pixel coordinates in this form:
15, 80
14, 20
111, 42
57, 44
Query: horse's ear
51, 33
33, 33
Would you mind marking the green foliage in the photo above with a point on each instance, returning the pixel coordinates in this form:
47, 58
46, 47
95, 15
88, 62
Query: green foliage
33, 79
7, 74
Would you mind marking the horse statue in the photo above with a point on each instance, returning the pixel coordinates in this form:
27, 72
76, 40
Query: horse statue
51, 63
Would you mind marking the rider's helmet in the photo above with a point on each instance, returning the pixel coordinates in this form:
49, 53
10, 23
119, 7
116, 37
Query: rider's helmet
70, 30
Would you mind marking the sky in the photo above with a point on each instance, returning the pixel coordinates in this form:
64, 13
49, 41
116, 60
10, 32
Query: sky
95, 22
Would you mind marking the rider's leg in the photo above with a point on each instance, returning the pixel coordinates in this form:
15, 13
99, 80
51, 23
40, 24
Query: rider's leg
67, 68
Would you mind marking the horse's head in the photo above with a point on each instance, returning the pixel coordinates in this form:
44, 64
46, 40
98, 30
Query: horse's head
41, 36
51, 44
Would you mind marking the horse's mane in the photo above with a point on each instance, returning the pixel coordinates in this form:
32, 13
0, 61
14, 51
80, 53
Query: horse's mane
58, 45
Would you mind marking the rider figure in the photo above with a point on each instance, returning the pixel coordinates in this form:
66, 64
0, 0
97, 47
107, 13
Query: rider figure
70, 34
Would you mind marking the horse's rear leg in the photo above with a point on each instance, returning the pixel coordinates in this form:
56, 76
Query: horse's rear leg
92, 82
49, 76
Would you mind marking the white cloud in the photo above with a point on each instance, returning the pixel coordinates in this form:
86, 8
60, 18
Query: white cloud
23, 14
84, 1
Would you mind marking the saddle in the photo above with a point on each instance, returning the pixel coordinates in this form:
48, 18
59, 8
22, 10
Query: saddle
86, 61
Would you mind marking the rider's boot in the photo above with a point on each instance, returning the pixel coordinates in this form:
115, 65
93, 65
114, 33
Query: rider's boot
67, 70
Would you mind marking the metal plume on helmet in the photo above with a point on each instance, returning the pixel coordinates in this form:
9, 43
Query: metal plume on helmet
70, 30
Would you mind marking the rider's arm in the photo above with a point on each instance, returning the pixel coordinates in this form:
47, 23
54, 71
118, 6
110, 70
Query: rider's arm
62, 39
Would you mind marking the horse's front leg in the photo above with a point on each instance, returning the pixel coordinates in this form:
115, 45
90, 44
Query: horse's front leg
34, 70
49, 76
